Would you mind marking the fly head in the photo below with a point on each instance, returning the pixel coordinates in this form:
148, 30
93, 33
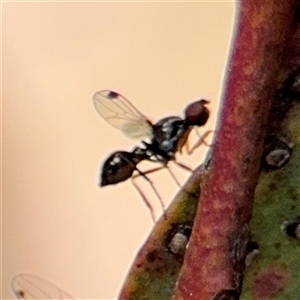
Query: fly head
196, 113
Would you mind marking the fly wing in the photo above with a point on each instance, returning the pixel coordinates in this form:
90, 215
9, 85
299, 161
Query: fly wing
28, 286
120, 113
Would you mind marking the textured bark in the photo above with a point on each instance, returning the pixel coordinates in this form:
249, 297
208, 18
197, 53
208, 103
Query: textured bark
275, 272
214, 262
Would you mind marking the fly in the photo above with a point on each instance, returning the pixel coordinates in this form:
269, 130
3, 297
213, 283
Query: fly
28, 286
160, 141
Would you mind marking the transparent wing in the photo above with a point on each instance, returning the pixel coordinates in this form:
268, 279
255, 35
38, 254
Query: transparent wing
28, 286
120, 113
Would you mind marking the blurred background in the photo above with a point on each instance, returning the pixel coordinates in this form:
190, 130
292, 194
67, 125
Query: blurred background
57, 223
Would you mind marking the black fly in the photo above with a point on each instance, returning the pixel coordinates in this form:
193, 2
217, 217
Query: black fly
165, 138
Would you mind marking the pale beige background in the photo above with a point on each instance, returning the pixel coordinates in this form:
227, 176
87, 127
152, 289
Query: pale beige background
56, 222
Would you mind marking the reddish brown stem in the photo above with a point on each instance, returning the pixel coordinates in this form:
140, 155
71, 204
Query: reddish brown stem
214, 259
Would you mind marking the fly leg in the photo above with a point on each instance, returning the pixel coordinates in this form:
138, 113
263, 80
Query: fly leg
167, 167
144, 199
201, 141
173, 175
183, 166
143, 174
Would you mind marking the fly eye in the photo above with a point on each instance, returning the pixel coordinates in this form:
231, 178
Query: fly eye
196, 113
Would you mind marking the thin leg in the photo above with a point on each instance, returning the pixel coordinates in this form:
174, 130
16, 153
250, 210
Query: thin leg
197, 131
144, 199
140, 173
143, 174
181, 165
201, 141
160, 168
164, 166
173, 176
168, 168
